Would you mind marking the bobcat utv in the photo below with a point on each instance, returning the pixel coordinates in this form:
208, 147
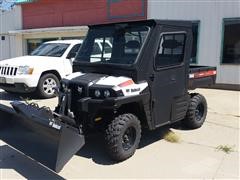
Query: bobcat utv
141, 81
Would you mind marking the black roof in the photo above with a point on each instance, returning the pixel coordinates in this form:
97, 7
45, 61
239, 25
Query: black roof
152, 22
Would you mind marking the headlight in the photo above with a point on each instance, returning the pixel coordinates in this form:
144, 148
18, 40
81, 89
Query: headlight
97, 93
24, 70
106, 93
102, 93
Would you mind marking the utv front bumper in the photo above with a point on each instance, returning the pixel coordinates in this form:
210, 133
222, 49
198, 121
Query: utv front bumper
91, 106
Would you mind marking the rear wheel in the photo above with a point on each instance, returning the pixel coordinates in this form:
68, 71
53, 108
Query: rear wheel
123, 136
197, 112
46, 85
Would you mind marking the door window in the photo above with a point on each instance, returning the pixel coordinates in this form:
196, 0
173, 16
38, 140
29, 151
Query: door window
171, 49
73, 51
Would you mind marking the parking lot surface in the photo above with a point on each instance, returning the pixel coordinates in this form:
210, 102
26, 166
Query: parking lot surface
195, 156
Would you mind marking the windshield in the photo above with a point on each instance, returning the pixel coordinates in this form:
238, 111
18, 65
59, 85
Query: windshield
116, 44
50, 49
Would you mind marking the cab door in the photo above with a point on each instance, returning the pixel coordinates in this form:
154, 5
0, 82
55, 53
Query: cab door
169, 75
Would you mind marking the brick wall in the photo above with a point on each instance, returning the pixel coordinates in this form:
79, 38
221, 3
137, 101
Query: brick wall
52, 13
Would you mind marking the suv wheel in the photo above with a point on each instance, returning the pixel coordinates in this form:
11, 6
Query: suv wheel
46, 86
197, 112
123, 136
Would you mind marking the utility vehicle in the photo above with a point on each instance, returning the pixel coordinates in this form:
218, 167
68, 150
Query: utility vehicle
142, 81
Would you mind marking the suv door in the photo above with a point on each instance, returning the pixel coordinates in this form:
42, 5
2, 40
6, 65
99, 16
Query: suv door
169, 76
70, 57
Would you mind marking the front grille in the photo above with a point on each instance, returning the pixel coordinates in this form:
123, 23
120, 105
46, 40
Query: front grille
75, 92
76, 95
8, 70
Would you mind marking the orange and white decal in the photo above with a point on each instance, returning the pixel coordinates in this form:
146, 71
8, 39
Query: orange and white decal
126, 83
203, 74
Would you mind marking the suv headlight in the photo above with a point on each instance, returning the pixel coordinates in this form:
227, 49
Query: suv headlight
22, 70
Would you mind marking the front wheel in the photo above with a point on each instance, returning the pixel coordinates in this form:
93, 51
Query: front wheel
122, 136
47, 85
197, 112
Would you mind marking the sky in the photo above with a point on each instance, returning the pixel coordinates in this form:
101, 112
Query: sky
6, 5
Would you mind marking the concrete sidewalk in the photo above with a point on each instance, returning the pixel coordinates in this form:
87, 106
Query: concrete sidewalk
194, 157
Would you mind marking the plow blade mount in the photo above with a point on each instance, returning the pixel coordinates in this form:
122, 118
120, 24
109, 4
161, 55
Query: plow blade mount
34, 132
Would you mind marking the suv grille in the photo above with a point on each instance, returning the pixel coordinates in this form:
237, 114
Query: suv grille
8, 71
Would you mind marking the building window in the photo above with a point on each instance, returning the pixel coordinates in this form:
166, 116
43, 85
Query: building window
195, 32
231, 41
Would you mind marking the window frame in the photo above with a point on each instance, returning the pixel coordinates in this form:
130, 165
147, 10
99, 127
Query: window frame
159, 68
222, 40
198, 22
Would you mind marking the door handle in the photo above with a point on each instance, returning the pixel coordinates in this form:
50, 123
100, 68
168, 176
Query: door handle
152, 77
173, 78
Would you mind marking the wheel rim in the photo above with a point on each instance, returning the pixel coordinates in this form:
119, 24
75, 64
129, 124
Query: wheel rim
48, 86
199, 112
128, 138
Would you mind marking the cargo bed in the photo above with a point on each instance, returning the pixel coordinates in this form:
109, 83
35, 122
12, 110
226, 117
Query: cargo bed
201, 76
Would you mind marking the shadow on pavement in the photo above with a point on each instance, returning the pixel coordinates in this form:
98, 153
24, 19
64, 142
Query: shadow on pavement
180, 126
16, 96
28, 168
149, 137
95, 148
9, 97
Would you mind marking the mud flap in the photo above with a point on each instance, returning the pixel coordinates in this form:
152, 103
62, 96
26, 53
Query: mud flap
37, 134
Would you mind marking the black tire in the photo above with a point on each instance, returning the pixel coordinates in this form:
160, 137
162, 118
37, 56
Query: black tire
42, 91
122, 137
197, 112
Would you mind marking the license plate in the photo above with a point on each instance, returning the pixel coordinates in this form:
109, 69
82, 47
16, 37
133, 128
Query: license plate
2, 80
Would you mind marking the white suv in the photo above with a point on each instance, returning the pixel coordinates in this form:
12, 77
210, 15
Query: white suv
41, 71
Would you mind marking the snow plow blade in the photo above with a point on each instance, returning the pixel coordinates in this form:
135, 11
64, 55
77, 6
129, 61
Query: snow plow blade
37, 133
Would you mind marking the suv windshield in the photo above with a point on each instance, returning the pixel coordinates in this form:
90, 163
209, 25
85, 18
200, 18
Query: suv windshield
50, 49
115, 44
